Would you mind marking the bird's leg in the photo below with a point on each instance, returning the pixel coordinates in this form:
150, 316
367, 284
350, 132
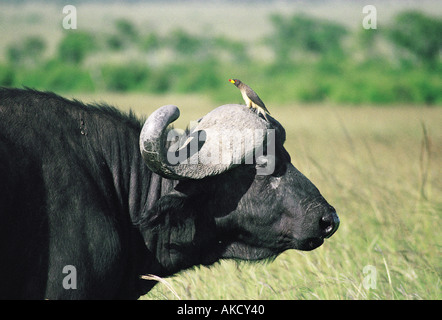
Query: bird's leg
260, 111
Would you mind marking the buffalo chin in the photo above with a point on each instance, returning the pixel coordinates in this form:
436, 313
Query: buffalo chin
309, 244
241, 251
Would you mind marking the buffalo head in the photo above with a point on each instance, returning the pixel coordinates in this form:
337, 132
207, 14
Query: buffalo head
235, 163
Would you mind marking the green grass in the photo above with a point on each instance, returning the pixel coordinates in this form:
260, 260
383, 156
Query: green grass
382, 174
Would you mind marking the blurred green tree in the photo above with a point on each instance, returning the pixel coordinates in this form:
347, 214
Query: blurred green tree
126, 29
115, 42
15, 54
307, 34
75, 45
151, 42
126, 33
418, 34
236, 49
6, 76
125, 77
366, 40
29, 51
184, 43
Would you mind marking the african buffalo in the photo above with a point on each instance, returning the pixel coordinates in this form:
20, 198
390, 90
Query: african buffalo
78, 199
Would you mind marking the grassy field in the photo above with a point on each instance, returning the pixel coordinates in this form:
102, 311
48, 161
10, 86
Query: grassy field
379, 167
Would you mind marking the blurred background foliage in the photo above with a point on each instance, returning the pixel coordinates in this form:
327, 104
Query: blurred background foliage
309, 60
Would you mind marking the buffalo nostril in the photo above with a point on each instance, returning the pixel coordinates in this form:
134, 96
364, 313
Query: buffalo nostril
329, 224
326, 224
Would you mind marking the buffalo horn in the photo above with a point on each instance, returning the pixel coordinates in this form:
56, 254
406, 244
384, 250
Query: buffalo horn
210, 148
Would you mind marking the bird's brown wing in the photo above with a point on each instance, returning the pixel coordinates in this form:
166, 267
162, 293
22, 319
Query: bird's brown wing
256, 99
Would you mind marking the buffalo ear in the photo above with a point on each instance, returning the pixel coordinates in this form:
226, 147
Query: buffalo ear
175, 203
171, 205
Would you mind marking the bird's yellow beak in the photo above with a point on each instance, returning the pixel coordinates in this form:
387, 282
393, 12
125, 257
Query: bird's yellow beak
232, 81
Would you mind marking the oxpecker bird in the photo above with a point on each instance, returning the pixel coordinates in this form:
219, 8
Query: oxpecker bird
250, 97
